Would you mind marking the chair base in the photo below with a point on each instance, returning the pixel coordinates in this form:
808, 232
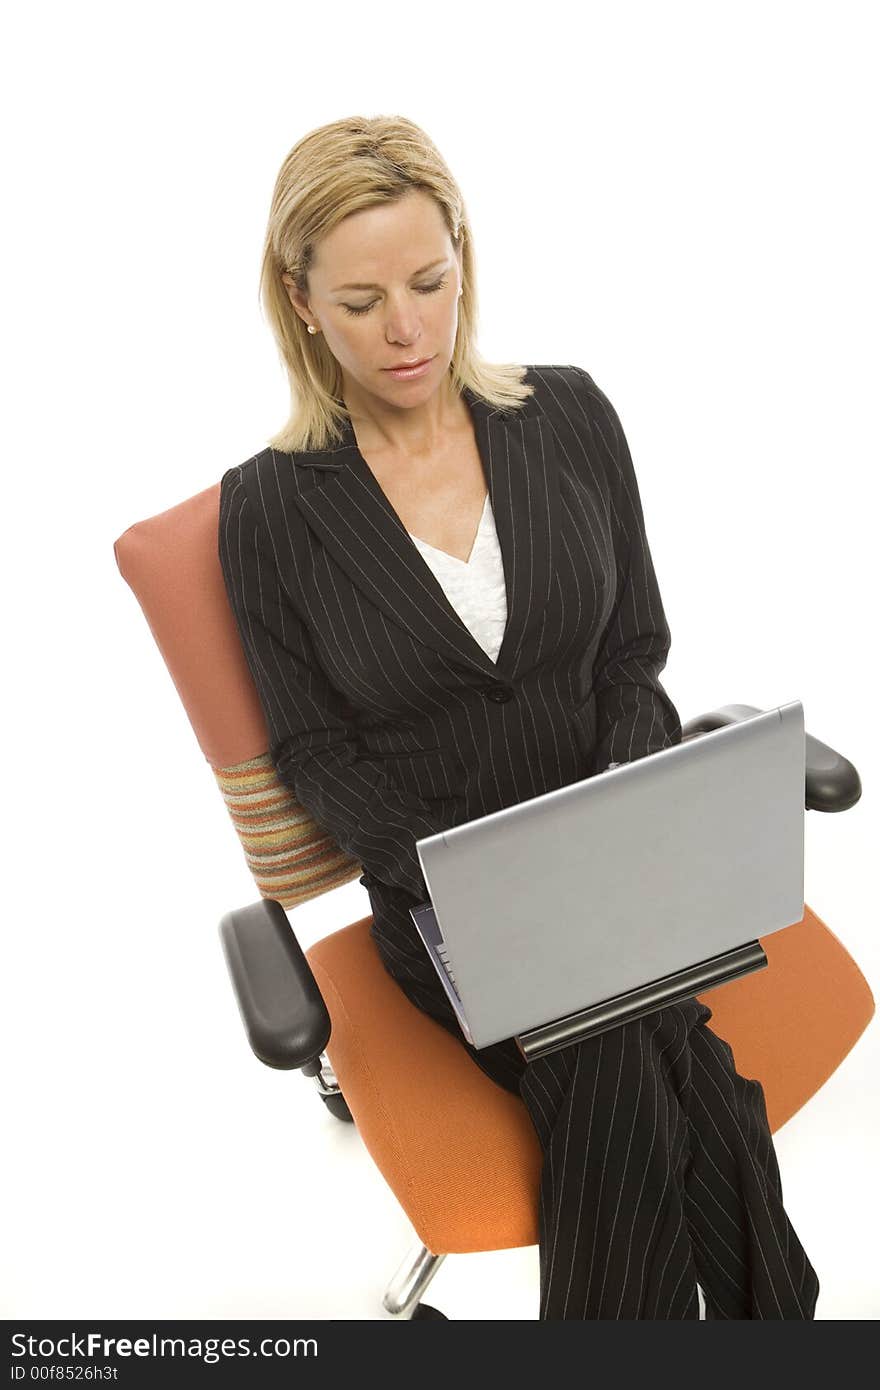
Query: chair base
404, 1293
424, 1310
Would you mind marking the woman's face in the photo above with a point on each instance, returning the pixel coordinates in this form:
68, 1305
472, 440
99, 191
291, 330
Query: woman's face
384, 289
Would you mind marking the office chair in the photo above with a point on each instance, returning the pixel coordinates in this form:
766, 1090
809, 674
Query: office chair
334, 1013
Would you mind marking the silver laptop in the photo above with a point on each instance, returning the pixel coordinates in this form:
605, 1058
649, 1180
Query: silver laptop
584, 903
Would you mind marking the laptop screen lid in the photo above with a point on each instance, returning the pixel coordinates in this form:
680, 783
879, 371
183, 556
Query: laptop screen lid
605, 884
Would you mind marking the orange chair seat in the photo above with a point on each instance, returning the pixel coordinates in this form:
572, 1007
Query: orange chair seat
461, 1154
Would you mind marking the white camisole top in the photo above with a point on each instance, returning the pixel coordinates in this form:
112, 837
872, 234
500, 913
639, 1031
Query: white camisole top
475, 586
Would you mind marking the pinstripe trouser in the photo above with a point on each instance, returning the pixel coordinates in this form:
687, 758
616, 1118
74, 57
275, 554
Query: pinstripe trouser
659, 1171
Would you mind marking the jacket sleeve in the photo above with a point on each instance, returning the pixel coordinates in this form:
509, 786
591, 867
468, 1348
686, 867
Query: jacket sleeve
635, 716
313, 743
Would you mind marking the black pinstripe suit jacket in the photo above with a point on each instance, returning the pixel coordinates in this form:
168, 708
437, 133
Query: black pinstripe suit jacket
386, 718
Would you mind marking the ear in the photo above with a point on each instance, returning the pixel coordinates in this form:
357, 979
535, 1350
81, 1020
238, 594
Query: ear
297, 298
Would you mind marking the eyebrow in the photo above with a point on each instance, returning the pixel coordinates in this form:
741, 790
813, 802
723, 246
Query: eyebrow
423, 268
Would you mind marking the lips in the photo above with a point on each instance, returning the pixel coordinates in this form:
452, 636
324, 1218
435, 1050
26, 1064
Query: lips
408, 366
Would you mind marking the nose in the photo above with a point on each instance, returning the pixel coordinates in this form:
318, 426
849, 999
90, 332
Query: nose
401, 332
402, 325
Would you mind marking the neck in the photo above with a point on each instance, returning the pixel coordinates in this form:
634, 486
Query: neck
421, 429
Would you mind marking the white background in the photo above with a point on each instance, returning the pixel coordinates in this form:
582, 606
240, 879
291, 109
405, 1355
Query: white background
679, 198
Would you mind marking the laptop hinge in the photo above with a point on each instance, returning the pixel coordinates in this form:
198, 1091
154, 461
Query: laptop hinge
635, 1003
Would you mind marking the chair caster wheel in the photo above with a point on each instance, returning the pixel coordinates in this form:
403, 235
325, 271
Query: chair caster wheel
337, 1106
424, 1310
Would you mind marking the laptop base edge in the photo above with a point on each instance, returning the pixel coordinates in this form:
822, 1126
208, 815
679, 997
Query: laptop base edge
636, 1003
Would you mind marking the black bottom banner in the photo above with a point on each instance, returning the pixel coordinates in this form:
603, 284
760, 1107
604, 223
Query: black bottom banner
256, 1353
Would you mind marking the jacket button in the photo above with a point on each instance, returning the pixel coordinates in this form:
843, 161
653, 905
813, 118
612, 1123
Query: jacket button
499, 693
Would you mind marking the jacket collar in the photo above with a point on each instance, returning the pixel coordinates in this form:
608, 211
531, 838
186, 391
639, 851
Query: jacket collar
352, 517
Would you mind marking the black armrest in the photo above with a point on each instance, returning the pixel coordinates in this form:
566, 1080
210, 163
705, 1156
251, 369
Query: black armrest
284, 1014
832, 783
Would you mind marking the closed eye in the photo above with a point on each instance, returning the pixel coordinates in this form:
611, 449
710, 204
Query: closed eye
422, 289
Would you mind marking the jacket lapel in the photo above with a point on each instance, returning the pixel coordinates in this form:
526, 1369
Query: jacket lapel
353, 518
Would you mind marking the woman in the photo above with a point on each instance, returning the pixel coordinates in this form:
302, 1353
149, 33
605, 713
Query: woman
443, 586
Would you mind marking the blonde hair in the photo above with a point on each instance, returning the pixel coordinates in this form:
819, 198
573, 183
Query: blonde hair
338, 169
